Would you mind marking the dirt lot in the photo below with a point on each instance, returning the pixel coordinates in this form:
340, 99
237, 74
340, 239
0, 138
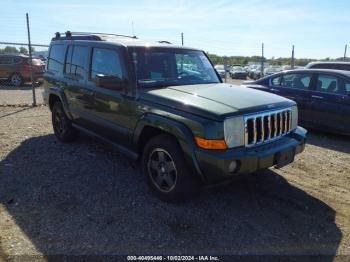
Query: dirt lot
84, 198
20, 96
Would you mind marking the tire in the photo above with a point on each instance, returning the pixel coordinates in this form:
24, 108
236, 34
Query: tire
61, 124
166, 171
16, 79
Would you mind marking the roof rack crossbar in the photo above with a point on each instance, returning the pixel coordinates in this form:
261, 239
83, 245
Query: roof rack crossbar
92, 33
85, 36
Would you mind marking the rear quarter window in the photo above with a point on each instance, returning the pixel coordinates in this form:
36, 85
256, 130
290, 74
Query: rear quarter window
56, 58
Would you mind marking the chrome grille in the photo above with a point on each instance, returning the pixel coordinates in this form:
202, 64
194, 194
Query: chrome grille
267, 126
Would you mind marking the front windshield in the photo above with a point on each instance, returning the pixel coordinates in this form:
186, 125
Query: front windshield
160, 67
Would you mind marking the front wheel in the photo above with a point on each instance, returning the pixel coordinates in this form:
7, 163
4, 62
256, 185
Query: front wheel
166, 172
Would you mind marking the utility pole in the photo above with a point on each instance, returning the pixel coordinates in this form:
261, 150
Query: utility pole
31, 61
225, 66
346, 47
182, 39
262, 59
292, 62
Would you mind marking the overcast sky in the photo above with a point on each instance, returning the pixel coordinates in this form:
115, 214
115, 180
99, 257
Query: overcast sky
318, 29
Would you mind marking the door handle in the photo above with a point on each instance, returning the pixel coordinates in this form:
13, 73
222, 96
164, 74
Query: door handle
317, 97
275, 90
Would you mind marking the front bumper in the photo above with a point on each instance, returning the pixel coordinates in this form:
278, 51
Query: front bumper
214, 165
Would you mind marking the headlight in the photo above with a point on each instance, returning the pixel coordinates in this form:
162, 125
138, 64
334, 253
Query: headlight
294, 117
234, 131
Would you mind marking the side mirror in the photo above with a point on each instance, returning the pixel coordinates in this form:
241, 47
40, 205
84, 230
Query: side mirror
110, 82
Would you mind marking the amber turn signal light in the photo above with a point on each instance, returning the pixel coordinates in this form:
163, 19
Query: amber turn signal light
210, 143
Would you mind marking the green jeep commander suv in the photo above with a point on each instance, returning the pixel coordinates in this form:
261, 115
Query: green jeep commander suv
167, 106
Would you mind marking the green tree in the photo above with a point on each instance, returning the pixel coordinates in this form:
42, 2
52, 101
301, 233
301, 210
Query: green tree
11, 50
23, 50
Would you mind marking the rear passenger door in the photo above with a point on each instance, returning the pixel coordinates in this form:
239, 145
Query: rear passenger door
330, 102
80, 97
296, 86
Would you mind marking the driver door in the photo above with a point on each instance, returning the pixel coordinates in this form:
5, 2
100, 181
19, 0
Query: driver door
112, 108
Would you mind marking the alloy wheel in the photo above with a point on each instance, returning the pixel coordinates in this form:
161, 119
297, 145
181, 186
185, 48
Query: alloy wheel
162, 170
60, 122
16, 80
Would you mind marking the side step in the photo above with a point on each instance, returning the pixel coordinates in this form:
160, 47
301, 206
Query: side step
129, 153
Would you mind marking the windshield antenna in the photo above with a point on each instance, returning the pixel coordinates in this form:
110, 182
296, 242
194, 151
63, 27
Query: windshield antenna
132, 28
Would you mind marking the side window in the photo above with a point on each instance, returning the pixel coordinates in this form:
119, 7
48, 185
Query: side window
322, 66
296, 80
347, 87
5, 60
17, 60
68, 59
328, 83
106, 62
56, 58
344, 67
276, 81
76, 61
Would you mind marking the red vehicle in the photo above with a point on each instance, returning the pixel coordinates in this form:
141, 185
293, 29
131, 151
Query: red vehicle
17, 69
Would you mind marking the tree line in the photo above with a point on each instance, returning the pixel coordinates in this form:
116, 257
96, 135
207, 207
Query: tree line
15, 50
243, 60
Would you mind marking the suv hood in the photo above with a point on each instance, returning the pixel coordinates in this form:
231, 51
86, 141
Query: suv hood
215, 100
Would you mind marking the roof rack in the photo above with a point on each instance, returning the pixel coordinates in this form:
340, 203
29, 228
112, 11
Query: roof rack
86, 36
103, 34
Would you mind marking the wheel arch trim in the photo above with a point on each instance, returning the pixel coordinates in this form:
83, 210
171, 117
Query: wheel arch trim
175, 128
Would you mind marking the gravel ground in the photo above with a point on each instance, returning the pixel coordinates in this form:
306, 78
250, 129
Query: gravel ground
19, 96
85, 198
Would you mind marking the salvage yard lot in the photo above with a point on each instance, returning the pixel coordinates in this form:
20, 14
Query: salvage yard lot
85, 198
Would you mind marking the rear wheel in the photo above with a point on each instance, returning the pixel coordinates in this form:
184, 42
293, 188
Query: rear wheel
166, 171
62, 126
16, 79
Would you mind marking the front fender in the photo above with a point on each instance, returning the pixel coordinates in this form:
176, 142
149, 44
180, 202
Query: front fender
179, 130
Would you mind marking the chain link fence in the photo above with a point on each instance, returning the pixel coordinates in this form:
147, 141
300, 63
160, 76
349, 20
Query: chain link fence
21, 75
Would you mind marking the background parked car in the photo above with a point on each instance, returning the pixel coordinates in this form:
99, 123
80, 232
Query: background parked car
329, 65
221, 70
255, 73
323, 96
238, 72
17, 69
272, 70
